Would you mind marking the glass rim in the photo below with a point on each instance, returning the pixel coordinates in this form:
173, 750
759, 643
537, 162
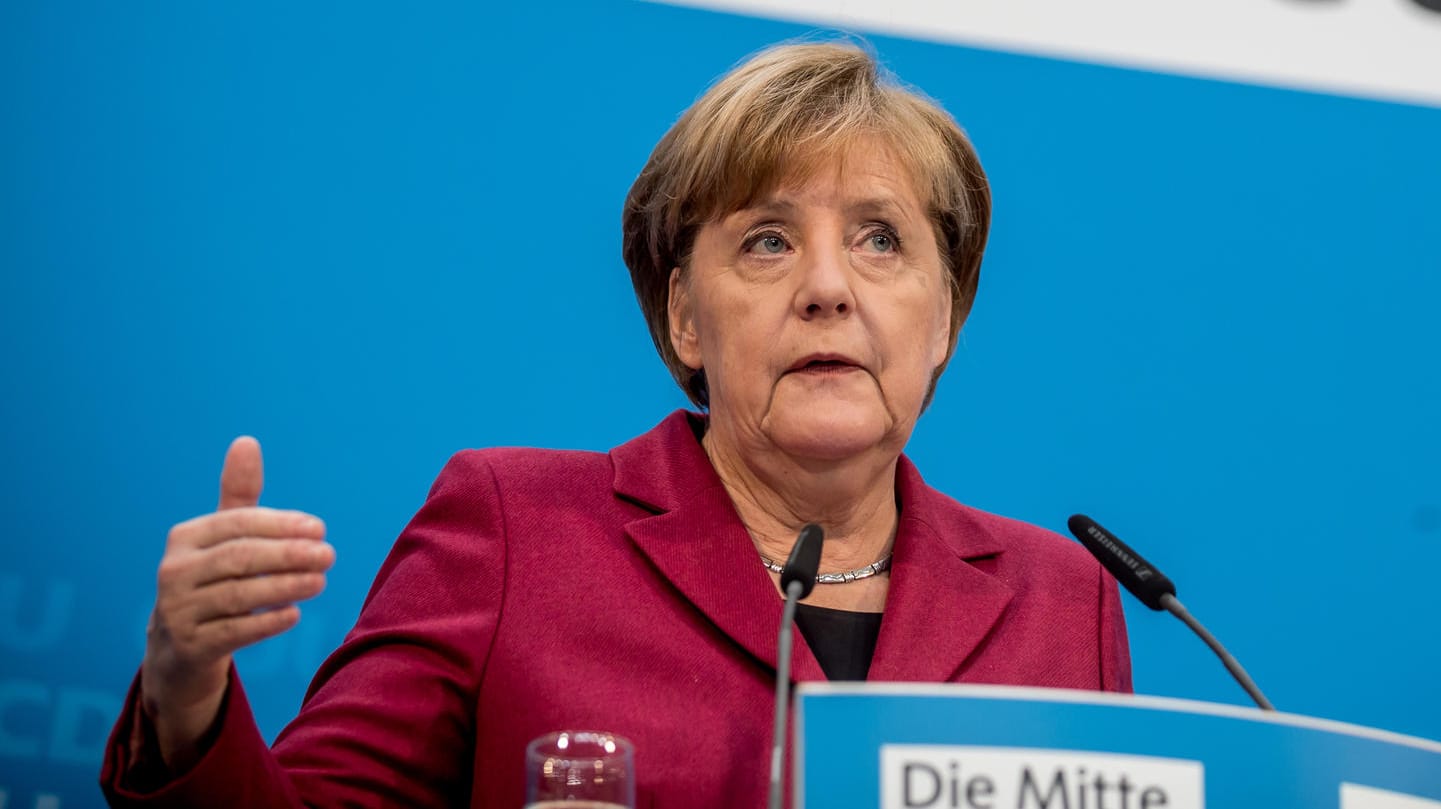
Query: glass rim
591, 744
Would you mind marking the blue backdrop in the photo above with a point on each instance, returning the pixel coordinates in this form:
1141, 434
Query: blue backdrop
373, 237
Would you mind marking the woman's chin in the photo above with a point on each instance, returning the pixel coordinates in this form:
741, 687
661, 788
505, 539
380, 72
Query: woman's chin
828, 432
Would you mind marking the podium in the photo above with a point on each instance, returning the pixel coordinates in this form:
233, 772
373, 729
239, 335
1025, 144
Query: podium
902, 746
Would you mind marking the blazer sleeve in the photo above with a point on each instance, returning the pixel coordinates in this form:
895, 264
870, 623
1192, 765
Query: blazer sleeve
389, 719
1115, 650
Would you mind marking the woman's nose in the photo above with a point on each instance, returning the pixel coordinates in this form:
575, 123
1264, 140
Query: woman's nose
824, 289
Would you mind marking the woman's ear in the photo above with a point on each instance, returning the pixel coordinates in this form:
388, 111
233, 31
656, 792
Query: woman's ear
941, 341
682, 322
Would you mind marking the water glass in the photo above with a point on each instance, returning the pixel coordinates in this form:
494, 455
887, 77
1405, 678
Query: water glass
579, 769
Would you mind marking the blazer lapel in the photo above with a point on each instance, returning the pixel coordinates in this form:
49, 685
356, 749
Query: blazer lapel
939, 608
697, 542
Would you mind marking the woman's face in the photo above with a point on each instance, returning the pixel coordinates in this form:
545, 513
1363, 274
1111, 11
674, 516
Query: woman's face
819, 313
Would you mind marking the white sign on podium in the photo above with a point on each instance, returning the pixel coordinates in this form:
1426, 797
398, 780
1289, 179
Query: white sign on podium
899, 746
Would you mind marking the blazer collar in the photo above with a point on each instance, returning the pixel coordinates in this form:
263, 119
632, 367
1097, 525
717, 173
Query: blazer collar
939, 607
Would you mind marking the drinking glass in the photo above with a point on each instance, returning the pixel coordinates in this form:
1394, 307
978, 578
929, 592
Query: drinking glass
579, 769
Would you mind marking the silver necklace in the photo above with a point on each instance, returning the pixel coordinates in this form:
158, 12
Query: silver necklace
879, 566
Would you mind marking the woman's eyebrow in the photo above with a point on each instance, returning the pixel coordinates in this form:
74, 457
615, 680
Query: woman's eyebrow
781, 206
886, 207
770, 206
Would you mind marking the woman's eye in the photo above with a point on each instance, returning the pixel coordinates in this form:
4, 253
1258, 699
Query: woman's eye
768, 245
882, 242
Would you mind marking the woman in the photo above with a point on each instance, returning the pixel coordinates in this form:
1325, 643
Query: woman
805, 244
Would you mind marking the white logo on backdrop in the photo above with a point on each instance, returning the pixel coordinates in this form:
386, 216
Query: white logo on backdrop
1386, 49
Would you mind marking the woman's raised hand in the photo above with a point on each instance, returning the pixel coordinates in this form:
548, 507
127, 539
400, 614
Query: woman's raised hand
227, 580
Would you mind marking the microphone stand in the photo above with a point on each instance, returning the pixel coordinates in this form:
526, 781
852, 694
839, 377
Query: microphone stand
798, 578
1154, 589
1173, 605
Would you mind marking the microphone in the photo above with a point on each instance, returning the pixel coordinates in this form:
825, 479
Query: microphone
1155, 591
798, 578
1145, 582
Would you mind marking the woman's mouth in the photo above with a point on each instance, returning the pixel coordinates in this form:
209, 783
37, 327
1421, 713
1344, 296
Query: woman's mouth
824, 366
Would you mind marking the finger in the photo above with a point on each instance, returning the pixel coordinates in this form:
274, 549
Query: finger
237, 597
221, 637
258, 521
246, 557
243, 475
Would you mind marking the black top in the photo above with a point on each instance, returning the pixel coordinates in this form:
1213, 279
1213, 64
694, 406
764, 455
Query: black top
844, 642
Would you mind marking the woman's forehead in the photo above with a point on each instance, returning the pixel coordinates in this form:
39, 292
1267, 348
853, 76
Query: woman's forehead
863, 177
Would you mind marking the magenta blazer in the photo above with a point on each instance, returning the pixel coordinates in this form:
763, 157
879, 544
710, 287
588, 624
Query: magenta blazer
538, 590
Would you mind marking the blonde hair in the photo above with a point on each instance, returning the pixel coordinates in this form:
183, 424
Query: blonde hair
777, 117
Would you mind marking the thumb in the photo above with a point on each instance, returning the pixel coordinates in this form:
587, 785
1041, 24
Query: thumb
243, 475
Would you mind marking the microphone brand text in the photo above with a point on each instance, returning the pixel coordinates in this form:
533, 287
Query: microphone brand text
1142, 571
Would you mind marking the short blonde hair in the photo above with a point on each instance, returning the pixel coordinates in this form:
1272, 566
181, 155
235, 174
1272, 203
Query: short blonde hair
776, 117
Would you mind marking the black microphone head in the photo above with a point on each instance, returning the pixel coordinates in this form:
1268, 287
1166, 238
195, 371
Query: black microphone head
1145, 582
804, 563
